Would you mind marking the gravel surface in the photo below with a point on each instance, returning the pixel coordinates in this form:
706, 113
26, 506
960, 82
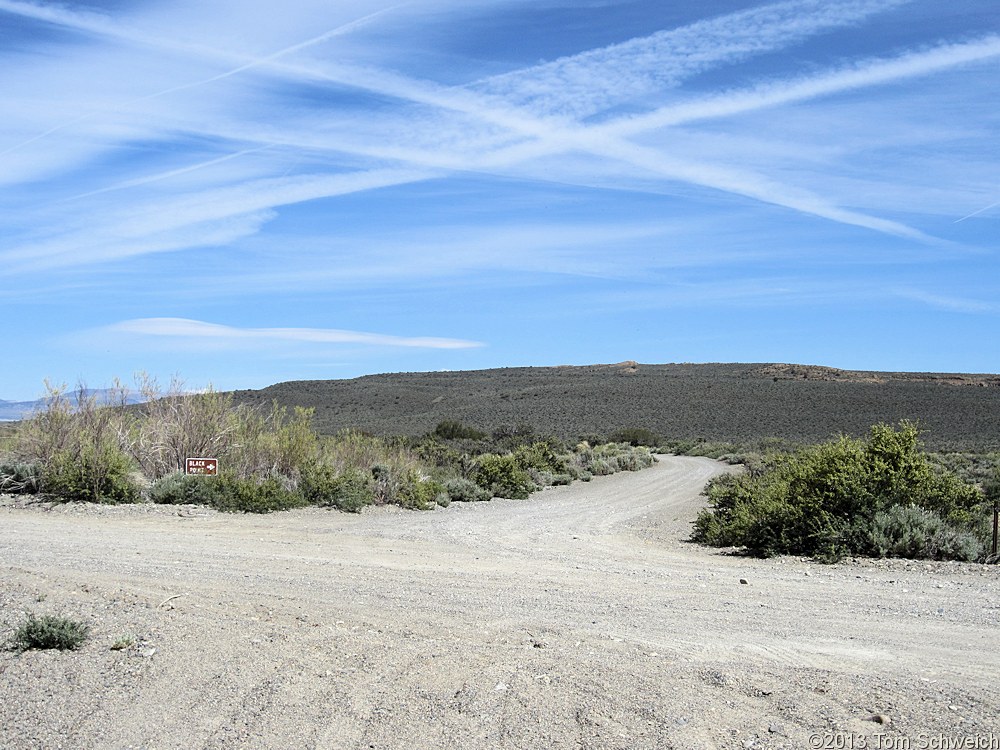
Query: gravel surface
577, 619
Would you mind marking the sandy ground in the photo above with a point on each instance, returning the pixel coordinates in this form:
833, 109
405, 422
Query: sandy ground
577, 619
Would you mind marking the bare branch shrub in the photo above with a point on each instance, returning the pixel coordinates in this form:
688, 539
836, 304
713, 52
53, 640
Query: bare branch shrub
178, 425
79, 447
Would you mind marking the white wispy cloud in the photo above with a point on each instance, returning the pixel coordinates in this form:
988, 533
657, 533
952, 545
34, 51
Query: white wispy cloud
512, 125
364, 158
861, 74
591, 82
203, 219
547, 137
79, 19
946, 302
740, 294
183, 330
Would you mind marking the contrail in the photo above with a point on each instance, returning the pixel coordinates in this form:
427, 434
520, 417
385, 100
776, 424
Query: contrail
252, 63
171, 173
257, 62
976, 213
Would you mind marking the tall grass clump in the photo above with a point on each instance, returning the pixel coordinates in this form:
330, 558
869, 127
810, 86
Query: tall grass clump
881, 496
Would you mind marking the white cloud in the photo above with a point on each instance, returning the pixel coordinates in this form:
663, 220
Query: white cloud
947, 302
863, 74
182, 330
591, 82
202, 219
158, 82
80, 20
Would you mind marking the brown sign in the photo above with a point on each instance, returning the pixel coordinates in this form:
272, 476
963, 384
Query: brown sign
205, 466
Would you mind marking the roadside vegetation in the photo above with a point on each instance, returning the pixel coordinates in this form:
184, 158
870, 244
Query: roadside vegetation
272, 458
49, 632
882, 496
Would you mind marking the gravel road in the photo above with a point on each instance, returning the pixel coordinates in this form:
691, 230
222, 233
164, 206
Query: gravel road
580, 618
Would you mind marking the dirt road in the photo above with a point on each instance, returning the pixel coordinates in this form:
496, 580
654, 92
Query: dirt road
577, 619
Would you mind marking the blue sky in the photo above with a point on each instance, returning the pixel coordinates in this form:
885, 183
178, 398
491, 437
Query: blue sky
240, 196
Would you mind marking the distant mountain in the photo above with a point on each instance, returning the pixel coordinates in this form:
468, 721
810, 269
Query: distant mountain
729, 402
13, 410
718, 402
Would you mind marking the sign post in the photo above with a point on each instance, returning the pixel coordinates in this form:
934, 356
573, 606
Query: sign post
208, 467
996, 516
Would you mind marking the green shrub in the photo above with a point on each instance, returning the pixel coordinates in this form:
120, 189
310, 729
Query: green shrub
418, 493
913, 532
248, 496
601, 467
20, 478
608, 458
507, 438
78, 449
635, 436
50, 631
227, 493
453, 430
461, 490
95, 475
348, 491
431, 451
845, 497
181, 489
634, 460
540, 456
502, 476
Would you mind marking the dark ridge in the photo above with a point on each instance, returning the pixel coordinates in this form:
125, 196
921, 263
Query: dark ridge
725, 402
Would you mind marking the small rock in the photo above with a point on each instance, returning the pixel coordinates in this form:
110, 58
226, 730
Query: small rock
500, 687
880, 719
744, 581
776, 729
149, 652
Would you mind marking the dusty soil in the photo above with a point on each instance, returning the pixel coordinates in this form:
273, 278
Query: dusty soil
577, 619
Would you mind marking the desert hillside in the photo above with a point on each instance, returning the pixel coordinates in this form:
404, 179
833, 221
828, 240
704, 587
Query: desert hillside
710, 401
